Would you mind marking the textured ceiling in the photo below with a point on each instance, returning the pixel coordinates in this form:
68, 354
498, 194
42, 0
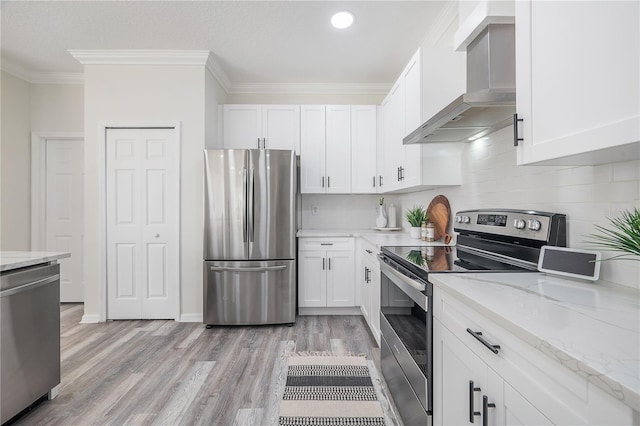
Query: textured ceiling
260, 42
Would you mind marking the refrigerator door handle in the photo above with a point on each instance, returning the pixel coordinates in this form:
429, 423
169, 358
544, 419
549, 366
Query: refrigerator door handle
252, 212
248, 269
244, 207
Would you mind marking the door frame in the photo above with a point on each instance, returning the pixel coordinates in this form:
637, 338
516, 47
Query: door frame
38, 182
102, 203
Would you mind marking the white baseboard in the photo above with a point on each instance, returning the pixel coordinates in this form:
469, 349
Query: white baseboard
351, 310
191, 318
90, 319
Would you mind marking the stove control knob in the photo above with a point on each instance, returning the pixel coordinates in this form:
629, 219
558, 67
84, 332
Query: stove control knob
534, 225
519, 223
458, 219
466, 219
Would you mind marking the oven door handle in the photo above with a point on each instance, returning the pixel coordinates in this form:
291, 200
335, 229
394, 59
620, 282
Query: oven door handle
414, 284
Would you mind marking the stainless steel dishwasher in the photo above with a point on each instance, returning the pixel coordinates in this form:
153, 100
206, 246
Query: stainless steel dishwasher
30, 336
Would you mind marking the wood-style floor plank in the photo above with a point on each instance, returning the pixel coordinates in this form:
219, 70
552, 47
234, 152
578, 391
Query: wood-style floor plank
165, 372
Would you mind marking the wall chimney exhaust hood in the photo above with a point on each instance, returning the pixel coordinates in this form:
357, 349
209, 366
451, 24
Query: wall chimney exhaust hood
490, 101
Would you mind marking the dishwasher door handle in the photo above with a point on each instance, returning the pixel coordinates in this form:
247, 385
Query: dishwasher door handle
35, 284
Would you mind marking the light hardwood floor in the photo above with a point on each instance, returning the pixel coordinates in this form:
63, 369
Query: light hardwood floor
166, 372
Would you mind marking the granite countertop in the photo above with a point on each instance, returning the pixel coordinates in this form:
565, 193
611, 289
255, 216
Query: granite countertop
19, 259
591, 328
377, 238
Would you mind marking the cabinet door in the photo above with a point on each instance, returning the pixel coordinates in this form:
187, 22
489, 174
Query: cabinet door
365, 290
312, 277
519, 411
459, 365
363, 149
338, 149
577, 67
340, 279
411, 161
392, 133
281, 126
242, 126
312, 149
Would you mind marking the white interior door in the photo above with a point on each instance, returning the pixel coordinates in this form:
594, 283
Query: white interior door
64, 219
142, 199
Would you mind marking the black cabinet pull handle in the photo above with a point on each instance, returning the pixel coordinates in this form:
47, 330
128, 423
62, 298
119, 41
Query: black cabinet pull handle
485, 410
329, 263
472, 412
374, 181
369, 251
323, 263
328, 181
380, 180
323, 181
401, 173
516, 139
478, 336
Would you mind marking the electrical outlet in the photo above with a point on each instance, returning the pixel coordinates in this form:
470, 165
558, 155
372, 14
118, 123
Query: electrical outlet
314, 210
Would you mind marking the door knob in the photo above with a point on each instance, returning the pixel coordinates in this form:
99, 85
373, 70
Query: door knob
157, 235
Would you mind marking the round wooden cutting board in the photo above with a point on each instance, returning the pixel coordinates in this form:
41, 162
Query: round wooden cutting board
439, 214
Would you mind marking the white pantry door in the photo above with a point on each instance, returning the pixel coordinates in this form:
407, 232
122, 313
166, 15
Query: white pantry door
64, 219
142, 223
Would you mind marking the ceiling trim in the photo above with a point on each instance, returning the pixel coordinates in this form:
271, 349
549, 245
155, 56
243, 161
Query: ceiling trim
445, 18
42, 77
311, 88
141, 57
218, 73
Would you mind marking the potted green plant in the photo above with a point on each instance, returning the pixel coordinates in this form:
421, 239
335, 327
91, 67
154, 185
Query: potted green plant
415, 216
624, 237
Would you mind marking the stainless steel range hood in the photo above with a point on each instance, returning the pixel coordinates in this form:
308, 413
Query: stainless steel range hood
490, 101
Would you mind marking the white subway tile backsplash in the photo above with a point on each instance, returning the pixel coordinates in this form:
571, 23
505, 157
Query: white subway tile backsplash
628, 170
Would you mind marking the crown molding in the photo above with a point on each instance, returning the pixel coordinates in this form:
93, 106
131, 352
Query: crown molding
34, 77
311, 88
141, 57
218, 73
445, 18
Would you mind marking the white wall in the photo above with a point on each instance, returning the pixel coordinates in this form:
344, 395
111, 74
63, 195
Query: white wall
215, 97
15, 164
587, 194
342, 211
57, 107
128, 94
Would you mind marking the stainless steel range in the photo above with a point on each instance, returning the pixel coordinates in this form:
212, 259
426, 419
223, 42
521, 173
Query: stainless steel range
494, 240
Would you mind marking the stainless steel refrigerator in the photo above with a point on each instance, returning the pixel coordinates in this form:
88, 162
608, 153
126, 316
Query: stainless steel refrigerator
249, 237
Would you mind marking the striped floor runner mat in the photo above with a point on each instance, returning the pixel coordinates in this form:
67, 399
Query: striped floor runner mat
328, 391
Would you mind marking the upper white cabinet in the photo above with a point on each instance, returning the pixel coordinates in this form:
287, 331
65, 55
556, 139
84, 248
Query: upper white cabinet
364, 178
413, 167
578, 68
262, 127
325, 149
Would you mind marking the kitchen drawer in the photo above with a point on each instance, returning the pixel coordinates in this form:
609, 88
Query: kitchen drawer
556, 391
369, 251
328, 244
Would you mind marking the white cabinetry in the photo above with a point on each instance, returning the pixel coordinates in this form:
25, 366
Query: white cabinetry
525, 386
369, 281
413, 167
262, 126
325, 149
326, 272
364, 178
577, 68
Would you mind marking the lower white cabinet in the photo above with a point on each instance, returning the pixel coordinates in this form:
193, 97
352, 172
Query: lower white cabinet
495, 378
326, 273
369, 282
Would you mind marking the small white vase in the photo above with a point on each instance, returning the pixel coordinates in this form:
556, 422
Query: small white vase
381, 220
414, 232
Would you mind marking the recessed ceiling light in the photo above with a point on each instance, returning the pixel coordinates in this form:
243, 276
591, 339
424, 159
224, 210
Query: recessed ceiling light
342, 19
